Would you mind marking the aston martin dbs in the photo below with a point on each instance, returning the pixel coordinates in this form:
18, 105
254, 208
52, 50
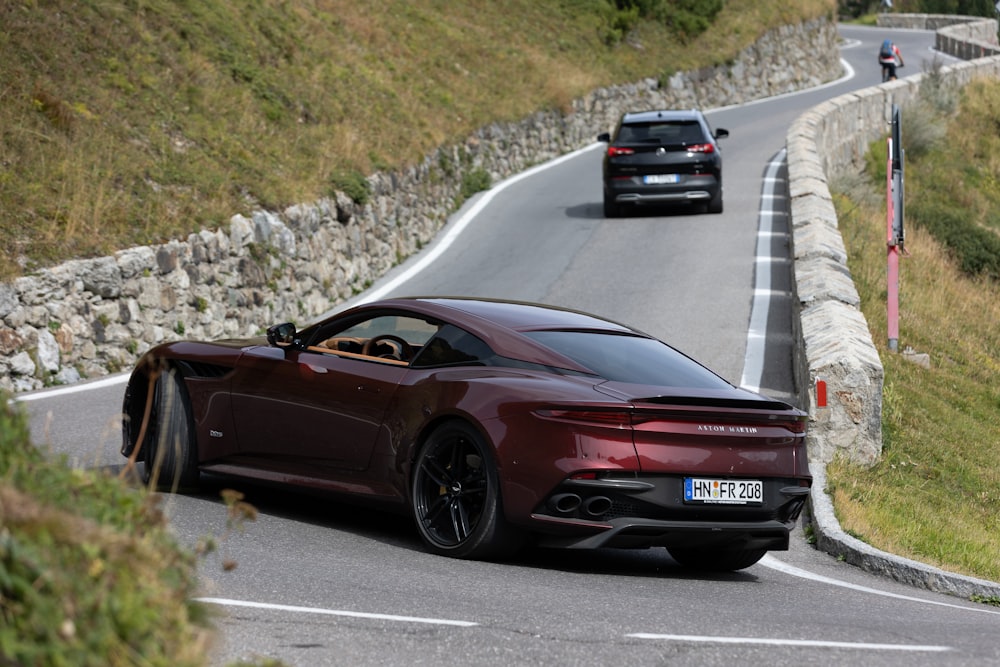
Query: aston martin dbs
492, 423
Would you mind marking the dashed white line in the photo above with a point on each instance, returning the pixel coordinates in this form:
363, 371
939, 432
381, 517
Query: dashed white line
792, 642
335, 612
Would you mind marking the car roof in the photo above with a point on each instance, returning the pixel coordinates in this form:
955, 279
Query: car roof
502, 323
525, 316
661, 115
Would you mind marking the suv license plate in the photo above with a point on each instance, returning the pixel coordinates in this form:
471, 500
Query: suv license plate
723, 491
657, 179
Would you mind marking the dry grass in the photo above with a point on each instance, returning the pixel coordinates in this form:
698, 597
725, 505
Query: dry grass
935, 494
135, 121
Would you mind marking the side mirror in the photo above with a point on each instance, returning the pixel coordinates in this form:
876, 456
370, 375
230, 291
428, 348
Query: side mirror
721, 132
281, 335
605, 137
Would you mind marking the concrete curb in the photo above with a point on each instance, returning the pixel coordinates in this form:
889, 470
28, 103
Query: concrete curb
834, 541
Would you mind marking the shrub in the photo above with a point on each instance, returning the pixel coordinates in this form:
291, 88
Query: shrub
353, 184
89, 573
475, 181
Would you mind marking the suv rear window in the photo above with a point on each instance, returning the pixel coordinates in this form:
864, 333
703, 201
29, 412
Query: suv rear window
675, 132
627, 358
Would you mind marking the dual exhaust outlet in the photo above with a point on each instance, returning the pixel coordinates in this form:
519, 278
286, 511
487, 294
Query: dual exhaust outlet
594, 507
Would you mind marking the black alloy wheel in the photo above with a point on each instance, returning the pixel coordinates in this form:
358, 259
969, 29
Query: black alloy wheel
456, 496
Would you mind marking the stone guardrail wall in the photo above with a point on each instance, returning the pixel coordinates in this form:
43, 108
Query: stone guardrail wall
966, 37
828, 140
87, 318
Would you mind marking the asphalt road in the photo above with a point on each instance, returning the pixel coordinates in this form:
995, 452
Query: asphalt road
323, 583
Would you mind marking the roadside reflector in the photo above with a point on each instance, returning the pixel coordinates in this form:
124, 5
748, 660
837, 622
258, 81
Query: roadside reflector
820, 393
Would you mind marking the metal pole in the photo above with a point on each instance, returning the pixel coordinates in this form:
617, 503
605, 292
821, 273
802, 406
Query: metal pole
892, 261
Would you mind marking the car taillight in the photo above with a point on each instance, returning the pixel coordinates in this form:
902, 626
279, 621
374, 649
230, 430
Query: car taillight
612, 418
701, 148
797, 426
615, 151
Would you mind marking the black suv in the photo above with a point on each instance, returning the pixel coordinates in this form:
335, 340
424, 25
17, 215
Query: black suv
662, 157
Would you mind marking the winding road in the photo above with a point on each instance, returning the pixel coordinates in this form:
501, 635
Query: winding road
322, 583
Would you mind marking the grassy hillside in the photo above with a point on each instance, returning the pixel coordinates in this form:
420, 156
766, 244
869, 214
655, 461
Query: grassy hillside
135, 121
935, 494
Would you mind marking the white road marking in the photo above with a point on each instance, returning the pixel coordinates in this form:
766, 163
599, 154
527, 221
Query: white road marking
773, 563
109, 381
792, 642
335, 612
753, 364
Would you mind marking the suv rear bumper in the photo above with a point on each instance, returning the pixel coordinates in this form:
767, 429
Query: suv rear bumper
662, 198
696, 188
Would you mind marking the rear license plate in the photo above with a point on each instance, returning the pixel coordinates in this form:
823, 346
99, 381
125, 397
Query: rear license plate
659, 179
723, 491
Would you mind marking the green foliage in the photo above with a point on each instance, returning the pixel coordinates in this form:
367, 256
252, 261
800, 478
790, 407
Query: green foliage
961, 7
991, 600
685, 18
89, 572
475, 181
15, 440
353, 184
857, 8
977, 249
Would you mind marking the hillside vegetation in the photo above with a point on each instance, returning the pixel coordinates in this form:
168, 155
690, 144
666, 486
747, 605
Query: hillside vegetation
130, 122
934, 495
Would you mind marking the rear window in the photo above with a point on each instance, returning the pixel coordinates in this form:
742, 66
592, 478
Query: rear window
675, 132
626, 358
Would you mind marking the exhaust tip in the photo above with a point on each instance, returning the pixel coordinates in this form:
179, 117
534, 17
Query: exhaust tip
597, 506
564, 503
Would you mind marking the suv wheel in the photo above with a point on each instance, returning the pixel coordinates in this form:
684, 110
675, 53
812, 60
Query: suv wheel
715, 204
611, 209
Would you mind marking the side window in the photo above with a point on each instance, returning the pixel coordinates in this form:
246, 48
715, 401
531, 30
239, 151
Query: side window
453, 346
394, 337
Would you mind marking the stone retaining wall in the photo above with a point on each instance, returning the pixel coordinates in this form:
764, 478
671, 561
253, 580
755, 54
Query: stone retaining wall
87, 318
828, 140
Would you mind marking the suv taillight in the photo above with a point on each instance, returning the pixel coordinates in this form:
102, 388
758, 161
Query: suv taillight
614, 151
701, 148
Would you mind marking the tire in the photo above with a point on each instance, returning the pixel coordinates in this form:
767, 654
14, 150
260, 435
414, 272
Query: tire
456, 497
716, 560
715, 203
171, 460
611, 209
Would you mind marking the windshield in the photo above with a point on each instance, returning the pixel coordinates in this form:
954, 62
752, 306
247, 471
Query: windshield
627, 358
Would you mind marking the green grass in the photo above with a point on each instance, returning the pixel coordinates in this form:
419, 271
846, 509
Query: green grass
935, 493
129, 122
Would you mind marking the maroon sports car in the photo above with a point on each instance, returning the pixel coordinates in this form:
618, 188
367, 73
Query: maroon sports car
491, 422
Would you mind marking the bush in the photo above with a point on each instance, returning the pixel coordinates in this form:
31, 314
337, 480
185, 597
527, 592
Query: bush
976, 249
89, 574
353, 184
686, 18
475, 181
